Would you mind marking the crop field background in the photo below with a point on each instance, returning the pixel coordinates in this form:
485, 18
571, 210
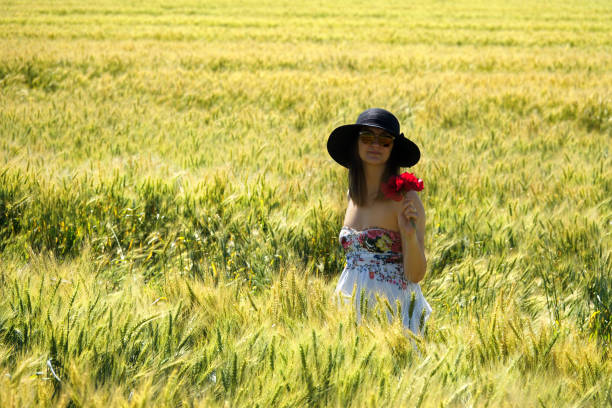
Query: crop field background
169, 213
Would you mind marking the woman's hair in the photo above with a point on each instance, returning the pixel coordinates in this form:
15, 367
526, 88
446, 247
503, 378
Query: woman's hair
358, 191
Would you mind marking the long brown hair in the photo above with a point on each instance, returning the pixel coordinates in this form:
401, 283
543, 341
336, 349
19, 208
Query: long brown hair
358, 191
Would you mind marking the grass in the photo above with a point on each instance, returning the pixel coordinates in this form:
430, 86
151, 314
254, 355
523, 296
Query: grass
169, 214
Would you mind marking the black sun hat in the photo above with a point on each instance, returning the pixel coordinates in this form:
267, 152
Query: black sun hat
341, 140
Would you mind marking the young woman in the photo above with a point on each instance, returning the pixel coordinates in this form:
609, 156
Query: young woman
383, 238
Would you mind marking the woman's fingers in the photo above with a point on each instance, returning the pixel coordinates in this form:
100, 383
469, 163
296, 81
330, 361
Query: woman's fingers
408, 201
409, 210
410, 213
409, 205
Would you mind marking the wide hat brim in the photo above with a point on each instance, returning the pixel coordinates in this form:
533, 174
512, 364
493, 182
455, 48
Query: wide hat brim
340, 142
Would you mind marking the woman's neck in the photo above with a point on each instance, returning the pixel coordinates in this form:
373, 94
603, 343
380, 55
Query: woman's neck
373, 177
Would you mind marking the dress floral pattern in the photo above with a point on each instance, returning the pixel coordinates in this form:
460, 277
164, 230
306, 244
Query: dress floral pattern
374, 265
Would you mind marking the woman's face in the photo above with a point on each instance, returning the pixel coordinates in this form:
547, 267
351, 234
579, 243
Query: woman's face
374, 145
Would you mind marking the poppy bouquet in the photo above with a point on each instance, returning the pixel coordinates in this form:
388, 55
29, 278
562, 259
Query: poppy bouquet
396, 186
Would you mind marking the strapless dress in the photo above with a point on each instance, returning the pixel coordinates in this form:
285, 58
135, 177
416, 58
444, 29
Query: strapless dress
374, 265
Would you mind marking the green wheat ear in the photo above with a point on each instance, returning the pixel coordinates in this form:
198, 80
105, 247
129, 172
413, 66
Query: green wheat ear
422, 321
272, 354
388, 306
398, 306
362, 302
412, 304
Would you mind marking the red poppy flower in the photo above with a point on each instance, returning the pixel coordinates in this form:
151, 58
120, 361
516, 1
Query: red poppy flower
411, 182
396, 186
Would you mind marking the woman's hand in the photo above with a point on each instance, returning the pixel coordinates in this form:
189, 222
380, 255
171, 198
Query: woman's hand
408, 218
411, 223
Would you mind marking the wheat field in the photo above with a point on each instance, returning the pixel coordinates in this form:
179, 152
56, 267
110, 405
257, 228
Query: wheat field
169, 213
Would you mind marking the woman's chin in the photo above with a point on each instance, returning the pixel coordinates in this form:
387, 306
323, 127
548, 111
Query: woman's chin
373, 160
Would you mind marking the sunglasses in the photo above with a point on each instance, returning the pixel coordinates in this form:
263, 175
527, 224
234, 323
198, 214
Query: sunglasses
368, 137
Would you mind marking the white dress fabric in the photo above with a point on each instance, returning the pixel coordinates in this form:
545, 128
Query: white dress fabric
374, 265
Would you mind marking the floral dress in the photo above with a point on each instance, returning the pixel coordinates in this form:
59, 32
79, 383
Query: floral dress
374, 265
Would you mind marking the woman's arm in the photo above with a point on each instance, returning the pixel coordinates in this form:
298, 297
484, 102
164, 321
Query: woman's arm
413, 239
